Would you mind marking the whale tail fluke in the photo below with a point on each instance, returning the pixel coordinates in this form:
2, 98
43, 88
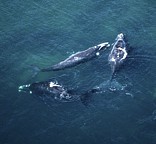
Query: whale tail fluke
86, 97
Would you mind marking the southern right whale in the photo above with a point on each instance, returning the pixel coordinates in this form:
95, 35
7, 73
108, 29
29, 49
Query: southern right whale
118, 53
78, 58
49, 89
52, 90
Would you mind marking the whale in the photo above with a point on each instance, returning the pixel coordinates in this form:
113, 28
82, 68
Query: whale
51, 90
78, 58
118, 53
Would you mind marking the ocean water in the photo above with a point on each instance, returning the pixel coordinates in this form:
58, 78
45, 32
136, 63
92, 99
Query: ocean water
44, 32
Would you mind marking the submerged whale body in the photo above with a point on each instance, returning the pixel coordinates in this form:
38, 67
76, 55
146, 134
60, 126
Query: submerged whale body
77, 58
118, 53
57, 93
51, 90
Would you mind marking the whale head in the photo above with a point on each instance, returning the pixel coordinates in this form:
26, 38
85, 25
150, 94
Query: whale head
24, 88
120, 37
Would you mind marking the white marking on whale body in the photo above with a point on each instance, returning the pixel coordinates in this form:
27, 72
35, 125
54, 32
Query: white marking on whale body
27, 85
113, 59
97, 53
20, 87
125, 53
106, 44
51, 84
77, 58
120, 36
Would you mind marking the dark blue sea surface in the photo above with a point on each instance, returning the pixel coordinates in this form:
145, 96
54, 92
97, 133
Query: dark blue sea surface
44, 32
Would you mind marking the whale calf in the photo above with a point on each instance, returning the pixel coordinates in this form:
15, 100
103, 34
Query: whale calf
79, 57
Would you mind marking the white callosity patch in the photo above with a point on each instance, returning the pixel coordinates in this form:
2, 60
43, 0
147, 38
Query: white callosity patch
20, 88
52, 84
97, 53
120, 36
77, 58
125, 53
113, 59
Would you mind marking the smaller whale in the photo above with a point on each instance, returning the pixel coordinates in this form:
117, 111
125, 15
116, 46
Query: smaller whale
118, 53
51, 90
77, 58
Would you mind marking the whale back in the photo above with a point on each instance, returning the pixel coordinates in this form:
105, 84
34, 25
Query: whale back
118, 53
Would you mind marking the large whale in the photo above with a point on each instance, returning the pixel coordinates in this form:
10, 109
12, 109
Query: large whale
51, 90
118, 53
79, 57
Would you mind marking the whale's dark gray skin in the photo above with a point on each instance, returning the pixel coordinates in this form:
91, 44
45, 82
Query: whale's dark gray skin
56, 92
79, 57
50, 89
118, 53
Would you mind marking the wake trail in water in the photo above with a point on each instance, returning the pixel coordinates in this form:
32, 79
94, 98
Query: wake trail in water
142, 57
